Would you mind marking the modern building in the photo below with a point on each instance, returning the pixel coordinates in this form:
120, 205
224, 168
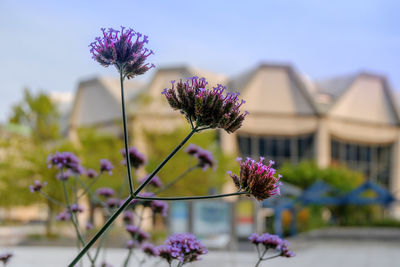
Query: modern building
352, 119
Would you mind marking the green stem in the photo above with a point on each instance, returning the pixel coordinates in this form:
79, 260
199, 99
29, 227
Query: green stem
127, 157
275, 256
51, 199
192, 197
128, 258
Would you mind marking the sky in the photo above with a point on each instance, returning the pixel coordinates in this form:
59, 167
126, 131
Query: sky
44, 44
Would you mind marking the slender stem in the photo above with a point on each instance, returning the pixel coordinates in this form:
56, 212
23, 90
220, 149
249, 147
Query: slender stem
101, 231
127, 157
192, 197
258, 262
275, 256
87, 187
128, 257
204, 128
174, 181
130, 198
51, 199
258, 251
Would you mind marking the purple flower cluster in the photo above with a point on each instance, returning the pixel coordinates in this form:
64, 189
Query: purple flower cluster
5, 257
158, 206
65, 160
105, 192
149, 249
64, 175
90, 173
136, 233
183, 247
76, 208
205, 157
63, 216
155, 181
124, 49
127, 217
272, 242
37, 186
106, 166
136, 158
112, 202
210, 108
257, 179
130, 244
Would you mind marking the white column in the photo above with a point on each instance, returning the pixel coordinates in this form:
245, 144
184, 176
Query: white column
395, 176
322, 144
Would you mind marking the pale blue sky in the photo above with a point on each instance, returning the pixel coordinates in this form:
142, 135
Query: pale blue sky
44, 44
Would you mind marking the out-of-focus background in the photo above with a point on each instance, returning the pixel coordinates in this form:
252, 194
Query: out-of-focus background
319, 79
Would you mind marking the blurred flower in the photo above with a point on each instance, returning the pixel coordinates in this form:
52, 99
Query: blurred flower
272, 242
257, 179
136, 233
285, 252
205, 158
106, 166
150, 249
136, 158
89, 226
37, 186
105, 264
155, 181
192, 149
127, 217
76, 208
90, 173
205, 107
183, 247
159, 206
65, 160
124, 49
64, 175
5, 257
131, 244
105, 192
63, 216
112, 202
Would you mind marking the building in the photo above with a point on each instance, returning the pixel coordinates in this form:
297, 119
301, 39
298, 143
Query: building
351, 120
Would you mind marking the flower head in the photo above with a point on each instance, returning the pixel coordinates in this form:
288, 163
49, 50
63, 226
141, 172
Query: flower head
112, 202
90, 173
76, 208
63, 216
159, 206
5, 257
155, 181
204, 157
149, 249
105, 192
272, 242
66, 160
125, 49
257, 179
64, 175
208, 108
131, 244
183, 247
136, 233
37, 186
192, 149
106, 166
127, 217
136, 158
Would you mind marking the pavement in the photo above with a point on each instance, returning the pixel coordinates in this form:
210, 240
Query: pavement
312, 249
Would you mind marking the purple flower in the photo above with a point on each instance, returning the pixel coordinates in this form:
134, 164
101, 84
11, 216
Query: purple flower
204, 107
192, 149
105, 192
257, 179
204, 157
76, 208
65, 160
127, 217
37, 186
155, 181
5, 257
285, 252
136, 158
272, 242
130, 244
183, 247
90, 173
137, 234
112, 202
63, 216
106, 166
89, 226
149, 249
64, 175
124, 49
159, 206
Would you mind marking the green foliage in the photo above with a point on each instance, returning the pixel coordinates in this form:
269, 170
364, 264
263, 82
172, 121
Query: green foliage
306, 173
198, 182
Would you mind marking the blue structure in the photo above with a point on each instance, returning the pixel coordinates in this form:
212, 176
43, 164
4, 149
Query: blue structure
320, 193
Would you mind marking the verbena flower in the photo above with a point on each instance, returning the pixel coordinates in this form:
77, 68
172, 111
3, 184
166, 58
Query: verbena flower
257, 179
155, 181
158, 206
136, 158
127, 217
269, 241
88, 226
130, 244
183, 247
112, 202
67, 160
149, 249
90, 173
63, 216
64, 175
105, 192
106, 166
204, 157
192, 149
136, 233
211, 108
76, 208
37, 186
124, 49
5, 257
